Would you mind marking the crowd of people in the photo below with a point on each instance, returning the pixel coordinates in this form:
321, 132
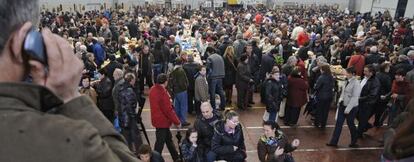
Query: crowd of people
192, 60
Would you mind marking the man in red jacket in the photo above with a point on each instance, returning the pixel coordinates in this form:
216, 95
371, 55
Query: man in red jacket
162, 116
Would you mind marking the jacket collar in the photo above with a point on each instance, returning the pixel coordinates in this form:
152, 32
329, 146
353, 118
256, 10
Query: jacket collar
21, 95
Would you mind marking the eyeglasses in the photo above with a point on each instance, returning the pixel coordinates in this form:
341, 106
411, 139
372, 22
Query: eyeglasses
234, 122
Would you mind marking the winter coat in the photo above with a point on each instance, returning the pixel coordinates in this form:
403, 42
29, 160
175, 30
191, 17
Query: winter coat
404, 91
110, 68
254, 64
104, 91
266, 148
385, 88
128, 104
201, 89
230, 66
273, 95
358, 62
324, 87
297, 92
38, 126
372, 58
223, 142
115, 93
191, 69
162, 112
369, 92
178, 81
191, 153
268, 61
215, 66
99, 53
205, 129
243, 75
90, 92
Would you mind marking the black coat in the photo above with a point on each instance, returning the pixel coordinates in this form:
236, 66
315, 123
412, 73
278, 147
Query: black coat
405, 65
230, 67
373, 59
223, 142
191, 69
104, 91
110, 68
243, 75
385, 81
268, 61
274, 95
254, 64
369, 93
205, 130
324, 87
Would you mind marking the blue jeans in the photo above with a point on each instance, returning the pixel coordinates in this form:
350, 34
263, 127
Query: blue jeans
273, 116
157, 68
350, 122
211, 156
181, 106
216, 86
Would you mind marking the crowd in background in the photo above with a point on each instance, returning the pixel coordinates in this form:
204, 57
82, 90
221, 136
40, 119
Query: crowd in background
192, 60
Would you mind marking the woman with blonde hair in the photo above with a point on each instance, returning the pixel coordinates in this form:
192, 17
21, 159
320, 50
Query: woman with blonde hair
230, 67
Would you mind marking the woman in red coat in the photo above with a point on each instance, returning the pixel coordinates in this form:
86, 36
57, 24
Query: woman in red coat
357, 61
297, 96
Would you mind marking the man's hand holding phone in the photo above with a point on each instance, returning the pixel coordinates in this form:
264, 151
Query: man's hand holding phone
65, 68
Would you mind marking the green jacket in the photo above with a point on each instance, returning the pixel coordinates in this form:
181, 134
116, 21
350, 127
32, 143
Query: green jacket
36, 126
178, 81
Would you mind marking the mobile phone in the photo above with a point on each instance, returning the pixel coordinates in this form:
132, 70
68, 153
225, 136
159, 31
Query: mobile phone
34, 47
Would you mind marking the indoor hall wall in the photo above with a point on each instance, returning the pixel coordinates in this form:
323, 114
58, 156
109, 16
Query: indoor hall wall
343, 4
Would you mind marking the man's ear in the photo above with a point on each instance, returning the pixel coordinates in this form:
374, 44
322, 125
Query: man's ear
17, 40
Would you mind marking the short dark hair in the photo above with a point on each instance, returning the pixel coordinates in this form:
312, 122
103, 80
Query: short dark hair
401, 72
162, 78
351, 70
210, 50
243, 58
86, 76
144, 149
371, 68
272, 124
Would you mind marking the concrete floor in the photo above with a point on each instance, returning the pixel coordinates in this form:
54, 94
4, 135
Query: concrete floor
312, 140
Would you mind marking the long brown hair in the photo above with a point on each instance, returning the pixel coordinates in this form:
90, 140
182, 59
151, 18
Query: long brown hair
229, 52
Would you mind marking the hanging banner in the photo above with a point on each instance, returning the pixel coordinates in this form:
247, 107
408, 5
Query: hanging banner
232, 2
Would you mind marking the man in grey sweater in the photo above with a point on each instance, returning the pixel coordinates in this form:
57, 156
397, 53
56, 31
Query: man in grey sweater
215, 66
